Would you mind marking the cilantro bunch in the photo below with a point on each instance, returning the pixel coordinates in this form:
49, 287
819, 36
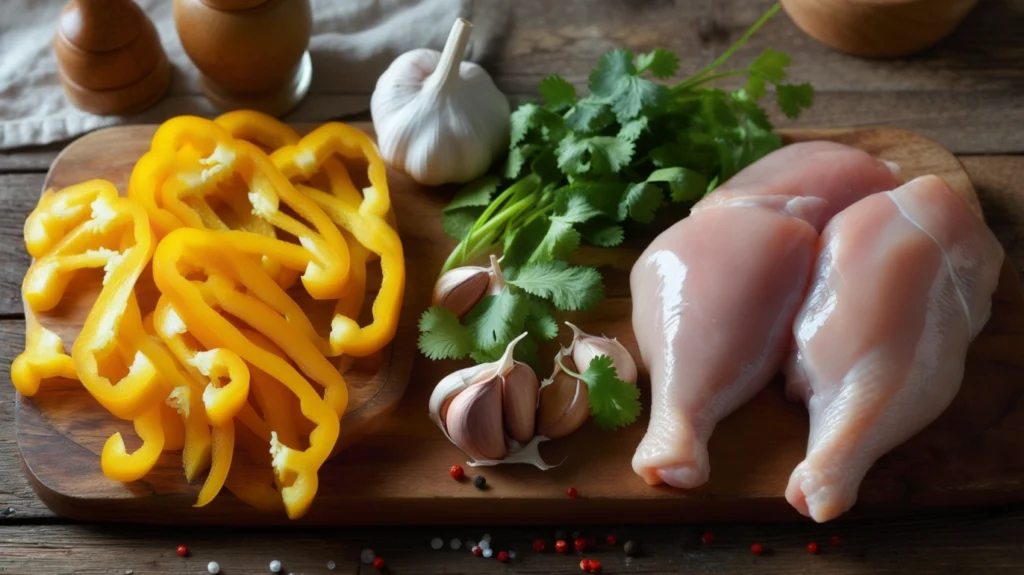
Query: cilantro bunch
579, 169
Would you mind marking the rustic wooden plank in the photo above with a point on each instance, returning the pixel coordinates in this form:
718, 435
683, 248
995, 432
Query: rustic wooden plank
15, 492
33, 159
976, 542
999, 181
965, 93
18, 195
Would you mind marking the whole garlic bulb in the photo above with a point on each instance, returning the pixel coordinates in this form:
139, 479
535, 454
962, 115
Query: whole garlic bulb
440, 119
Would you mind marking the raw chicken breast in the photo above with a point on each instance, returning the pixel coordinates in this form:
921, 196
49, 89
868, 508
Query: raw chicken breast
714, 296
902, 284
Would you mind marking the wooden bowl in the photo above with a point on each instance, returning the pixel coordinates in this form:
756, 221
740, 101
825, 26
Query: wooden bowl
878, 28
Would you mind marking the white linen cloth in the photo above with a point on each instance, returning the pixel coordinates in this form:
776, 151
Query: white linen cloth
353, 41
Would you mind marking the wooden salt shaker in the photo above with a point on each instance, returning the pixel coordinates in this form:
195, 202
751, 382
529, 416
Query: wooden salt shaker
252, 53
110, 58
878, 28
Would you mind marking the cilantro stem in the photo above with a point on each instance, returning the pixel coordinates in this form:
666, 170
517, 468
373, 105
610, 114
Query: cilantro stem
482, 237
698, 77
568, 371
694, 82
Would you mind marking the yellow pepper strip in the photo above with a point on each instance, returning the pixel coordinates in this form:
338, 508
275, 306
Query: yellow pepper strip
58, 213
254, 485
119, 465
346, 335
174, 428
326, 263
296, 469
147, 176
223, 451
43, 358
302, 160
271, 396
265, 131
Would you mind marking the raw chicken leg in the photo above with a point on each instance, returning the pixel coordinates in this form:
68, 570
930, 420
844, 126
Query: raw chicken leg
715, 295
903, 283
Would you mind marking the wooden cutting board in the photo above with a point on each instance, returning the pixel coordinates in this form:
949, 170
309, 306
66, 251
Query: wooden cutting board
972, 455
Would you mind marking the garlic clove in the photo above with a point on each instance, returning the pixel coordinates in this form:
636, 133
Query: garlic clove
586, 347
474, 421
497, 278
519, 401
450, 386
460, 289
563, 402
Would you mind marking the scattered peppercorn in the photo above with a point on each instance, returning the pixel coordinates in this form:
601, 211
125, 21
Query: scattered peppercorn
595, 565
488, 552
631, 548
331, 565
512, 555
812, 548
757, 549
834, 541
585, 565
477, 550
367, 556
708, 537
561, 546
457, 472
7, 511
275, 566
182, 551
503, 556
610, 540
378, 563
538, 545
213, 567
580, 545
479, 482
573, 492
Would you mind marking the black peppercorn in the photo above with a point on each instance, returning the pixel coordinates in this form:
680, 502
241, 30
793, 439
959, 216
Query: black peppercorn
479, 482
631, 548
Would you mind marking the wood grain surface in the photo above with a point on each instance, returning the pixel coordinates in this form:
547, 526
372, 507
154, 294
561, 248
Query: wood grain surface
965, 93
399, 475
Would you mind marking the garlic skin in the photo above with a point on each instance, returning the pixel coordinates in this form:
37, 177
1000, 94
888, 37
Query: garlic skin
440, 119
460, 289
519, 402
564, 401
586, 347
488, 411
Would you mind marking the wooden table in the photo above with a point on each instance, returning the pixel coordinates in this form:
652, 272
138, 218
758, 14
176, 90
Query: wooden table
967, 93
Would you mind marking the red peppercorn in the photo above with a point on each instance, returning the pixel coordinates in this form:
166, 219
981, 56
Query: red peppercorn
182, 551
580, 545
538, 545
708, 537
572, 492
584, 565
812, 548
378, 563
502, 556
757, 549
478, 551
561, 546
457, 472
610, 540
834, 541
595, 565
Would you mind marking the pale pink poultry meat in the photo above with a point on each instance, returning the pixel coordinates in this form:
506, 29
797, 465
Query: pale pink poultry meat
715, 295
902, 284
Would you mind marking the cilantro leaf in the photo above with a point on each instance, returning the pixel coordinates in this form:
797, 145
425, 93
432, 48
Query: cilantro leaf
661, 63
589, 116
632, 129
613, 402
530, 117
602, 234
770, 65
594, 155
556, 91
636, 94
611, 70
685, 184
575, 208
559, 240
442, 336
539, 321
457, 223
570, 288
640, 202
523, 243
755, 89
517, 158
794, 98
496, 319
602, 194
477, 193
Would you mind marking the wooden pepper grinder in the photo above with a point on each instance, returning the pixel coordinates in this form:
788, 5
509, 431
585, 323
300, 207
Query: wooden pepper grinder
110, 57
252, 53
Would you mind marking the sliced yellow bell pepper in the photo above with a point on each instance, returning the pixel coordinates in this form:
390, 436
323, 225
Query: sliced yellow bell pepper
191, 248
43, 358
119, 465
